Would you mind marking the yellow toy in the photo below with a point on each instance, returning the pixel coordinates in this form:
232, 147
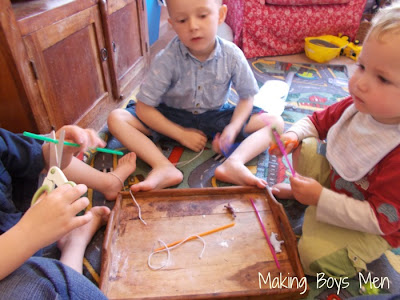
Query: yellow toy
352, 50
326, 47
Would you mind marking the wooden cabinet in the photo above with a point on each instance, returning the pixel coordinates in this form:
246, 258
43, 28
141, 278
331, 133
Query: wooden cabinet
69, 62
123, 31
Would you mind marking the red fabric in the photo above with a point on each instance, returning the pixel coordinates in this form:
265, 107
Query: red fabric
267, 30
305, 2
379, 187
176, 154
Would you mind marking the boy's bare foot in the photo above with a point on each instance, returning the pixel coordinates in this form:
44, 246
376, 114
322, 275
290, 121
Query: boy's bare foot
235, 172
126, 166
73, 244
282, 191
159, 178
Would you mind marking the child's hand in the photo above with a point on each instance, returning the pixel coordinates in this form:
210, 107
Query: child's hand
86, 138
224, 148
289, 140
305, 190
193, 139
54, 215
223, 142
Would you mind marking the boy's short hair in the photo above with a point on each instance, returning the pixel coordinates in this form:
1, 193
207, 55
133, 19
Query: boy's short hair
386, 20
219, 2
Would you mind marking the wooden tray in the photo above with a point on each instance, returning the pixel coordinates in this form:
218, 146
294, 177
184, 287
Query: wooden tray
236, 262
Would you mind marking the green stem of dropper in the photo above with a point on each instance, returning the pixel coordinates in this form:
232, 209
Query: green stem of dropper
50, 140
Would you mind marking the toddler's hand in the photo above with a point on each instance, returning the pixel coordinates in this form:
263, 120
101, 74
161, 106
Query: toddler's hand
305, 190
54, 215
289, 140
193, 139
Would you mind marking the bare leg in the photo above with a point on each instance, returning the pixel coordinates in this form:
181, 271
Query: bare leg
236, 172
105, 183
73, 245
233, 170
131, 133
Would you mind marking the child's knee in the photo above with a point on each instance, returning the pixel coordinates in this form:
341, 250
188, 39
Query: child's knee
115, 116
307, 255
335, 264
277, 122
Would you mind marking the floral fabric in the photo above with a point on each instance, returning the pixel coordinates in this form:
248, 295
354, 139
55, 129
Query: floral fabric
267, 30
305, 2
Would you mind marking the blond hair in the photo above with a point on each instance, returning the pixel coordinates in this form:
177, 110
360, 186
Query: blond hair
386, 20
219, 2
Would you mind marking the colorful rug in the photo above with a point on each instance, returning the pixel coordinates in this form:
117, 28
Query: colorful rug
313, 88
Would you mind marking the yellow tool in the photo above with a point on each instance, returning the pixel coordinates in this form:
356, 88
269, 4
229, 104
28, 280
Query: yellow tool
55, 177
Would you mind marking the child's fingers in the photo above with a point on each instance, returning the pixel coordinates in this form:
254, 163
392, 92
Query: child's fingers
79, 221
86, 138
79, 204
275, 190
94, 139
290, 146
69, 193
297, 181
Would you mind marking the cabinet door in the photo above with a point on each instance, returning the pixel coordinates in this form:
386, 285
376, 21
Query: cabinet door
70, 64
126, 35
17, 85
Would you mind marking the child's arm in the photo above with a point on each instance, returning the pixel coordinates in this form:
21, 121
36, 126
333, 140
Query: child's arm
189, 137
378, 213
335, 208
52, 216
344, 211
317, 125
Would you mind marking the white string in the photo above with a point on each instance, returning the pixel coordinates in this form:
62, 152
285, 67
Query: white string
133, 197
168, 249
184, 163
119, 178
138, 206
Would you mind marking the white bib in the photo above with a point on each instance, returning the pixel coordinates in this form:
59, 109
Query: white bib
357, 142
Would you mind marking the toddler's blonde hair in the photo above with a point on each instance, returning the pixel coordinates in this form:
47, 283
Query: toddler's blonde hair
386, 20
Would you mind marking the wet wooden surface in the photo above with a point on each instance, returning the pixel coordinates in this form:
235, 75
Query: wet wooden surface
233, 258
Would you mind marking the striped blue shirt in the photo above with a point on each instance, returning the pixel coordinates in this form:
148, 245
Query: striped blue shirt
179, 80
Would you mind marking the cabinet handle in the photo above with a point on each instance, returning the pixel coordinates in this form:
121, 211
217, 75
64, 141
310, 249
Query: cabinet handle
34, 70
104, 54
114, 46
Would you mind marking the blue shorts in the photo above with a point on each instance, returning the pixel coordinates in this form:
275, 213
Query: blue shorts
209, 122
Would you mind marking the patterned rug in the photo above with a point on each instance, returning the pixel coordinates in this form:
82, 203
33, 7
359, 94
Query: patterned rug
313, 87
